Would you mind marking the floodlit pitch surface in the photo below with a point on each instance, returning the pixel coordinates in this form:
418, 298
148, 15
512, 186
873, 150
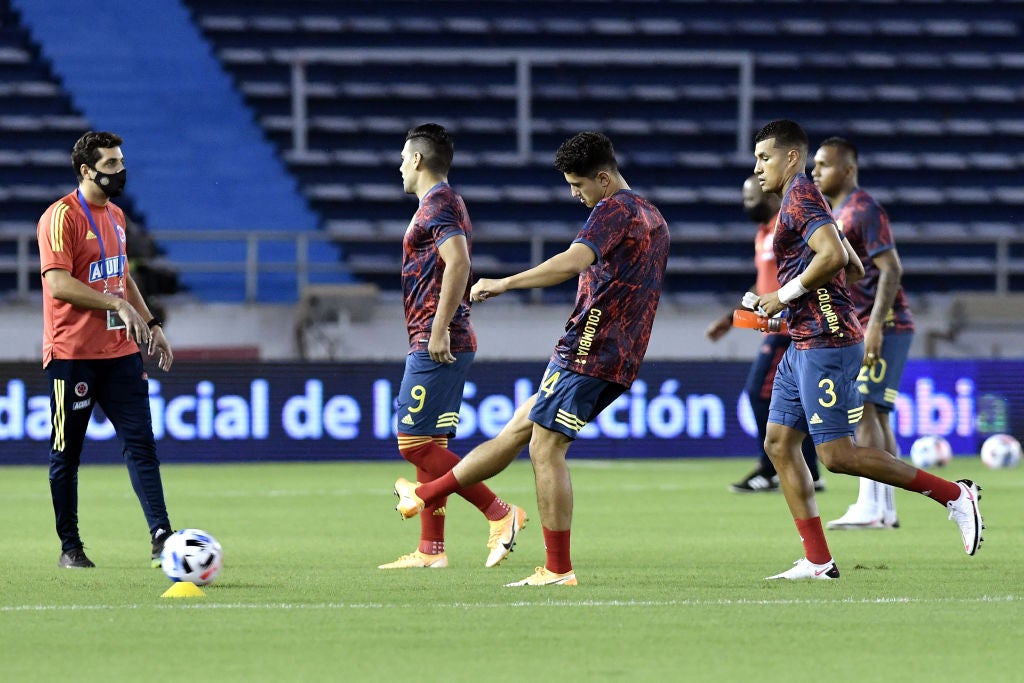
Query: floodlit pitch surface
670, 565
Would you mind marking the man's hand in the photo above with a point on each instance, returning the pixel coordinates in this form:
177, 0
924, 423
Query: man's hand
135, 327
872, 344
770, 303
160, 349
486, 288
440, 347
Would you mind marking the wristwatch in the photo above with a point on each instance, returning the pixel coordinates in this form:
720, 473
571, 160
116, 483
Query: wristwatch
155, 322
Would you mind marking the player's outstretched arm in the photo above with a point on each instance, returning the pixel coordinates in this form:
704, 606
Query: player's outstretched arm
557, 269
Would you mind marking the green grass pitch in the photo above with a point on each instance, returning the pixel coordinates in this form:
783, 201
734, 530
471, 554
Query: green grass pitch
670, 564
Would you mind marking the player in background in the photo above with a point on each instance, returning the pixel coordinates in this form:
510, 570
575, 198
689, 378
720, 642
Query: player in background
436, 274
94, 319
619, 257
763, 209
816, 384
884, 314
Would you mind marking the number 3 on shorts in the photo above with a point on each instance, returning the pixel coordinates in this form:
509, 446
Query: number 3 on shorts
829, 387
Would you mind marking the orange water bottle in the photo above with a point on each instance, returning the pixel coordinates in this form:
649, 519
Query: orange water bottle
755, 321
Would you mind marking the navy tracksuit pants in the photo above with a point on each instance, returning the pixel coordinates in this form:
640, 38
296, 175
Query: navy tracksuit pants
120, 388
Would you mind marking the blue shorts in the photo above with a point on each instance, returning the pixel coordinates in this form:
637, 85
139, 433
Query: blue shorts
880, 383
431, 394
567, 401
815, 392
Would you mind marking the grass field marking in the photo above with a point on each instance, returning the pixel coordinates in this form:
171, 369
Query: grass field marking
518, 604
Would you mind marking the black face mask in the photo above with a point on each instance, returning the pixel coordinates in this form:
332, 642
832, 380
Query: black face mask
759, 212
111, 184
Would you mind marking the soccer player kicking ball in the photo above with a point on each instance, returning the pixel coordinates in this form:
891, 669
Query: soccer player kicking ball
815, 387
619, 256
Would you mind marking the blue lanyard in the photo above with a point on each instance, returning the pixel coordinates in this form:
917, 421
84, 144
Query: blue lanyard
99, 238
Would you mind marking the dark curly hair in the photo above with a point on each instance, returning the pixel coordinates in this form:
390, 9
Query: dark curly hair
586, 154
87, 149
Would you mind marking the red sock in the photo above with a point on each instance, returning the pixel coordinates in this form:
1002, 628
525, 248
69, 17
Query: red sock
556, 545
437, 461
498, 509
426, 455
813, 538
936, 488
432, 519
439, 488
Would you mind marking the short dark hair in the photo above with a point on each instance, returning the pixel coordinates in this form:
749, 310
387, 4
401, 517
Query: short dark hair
843, 144
586, 154
87, 149
435, 144
786, 133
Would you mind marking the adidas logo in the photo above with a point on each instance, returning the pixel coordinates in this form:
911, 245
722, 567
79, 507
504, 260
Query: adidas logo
440, 512
816, 419
407, 420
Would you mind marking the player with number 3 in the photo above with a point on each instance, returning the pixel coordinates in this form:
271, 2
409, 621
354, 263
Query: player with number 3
815, 387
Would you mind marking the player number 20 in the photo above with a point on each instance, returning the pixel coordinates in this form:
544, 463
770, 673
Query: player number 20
873, 374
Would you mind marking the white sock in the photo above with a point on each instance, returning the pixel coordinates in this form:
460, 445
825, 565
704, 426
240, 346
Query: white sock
888, 502
867, 499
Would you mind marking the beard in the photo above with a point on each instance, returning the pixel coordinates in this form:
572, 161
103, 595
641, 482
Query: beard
759, 213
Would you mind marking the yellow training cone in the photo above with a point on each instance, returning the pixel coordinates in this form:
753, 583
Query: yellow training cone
183, 589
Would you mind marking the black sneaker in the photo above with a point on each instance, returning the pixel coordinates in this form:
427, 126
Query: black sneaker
756, 482
74, 559
158, 546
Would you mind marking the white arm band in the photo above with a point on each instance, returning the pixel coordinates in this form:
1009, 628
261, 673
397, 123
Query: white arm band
794, 289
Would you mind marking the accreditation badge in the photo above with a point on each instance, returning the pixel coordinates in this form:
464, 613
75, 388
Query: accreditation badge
114, 321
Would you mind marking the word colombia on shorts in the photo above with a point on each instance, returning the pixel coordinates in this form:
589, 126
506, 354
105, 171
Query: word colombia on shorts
329, 411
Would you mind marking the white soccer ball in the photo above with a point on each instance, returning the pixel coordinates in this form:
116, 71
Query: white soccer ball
1000, 450
192, 555
931, 451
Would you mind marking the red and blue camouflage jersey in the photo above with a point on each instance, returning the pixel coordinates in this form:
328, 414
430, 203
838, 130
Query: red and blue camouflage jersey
824, 317
866, 225
607, 333
442, 214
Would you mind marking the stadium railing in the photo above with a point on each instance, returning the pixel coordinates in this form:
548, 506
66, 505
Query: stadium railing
997, 261
265, 251
523, 61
